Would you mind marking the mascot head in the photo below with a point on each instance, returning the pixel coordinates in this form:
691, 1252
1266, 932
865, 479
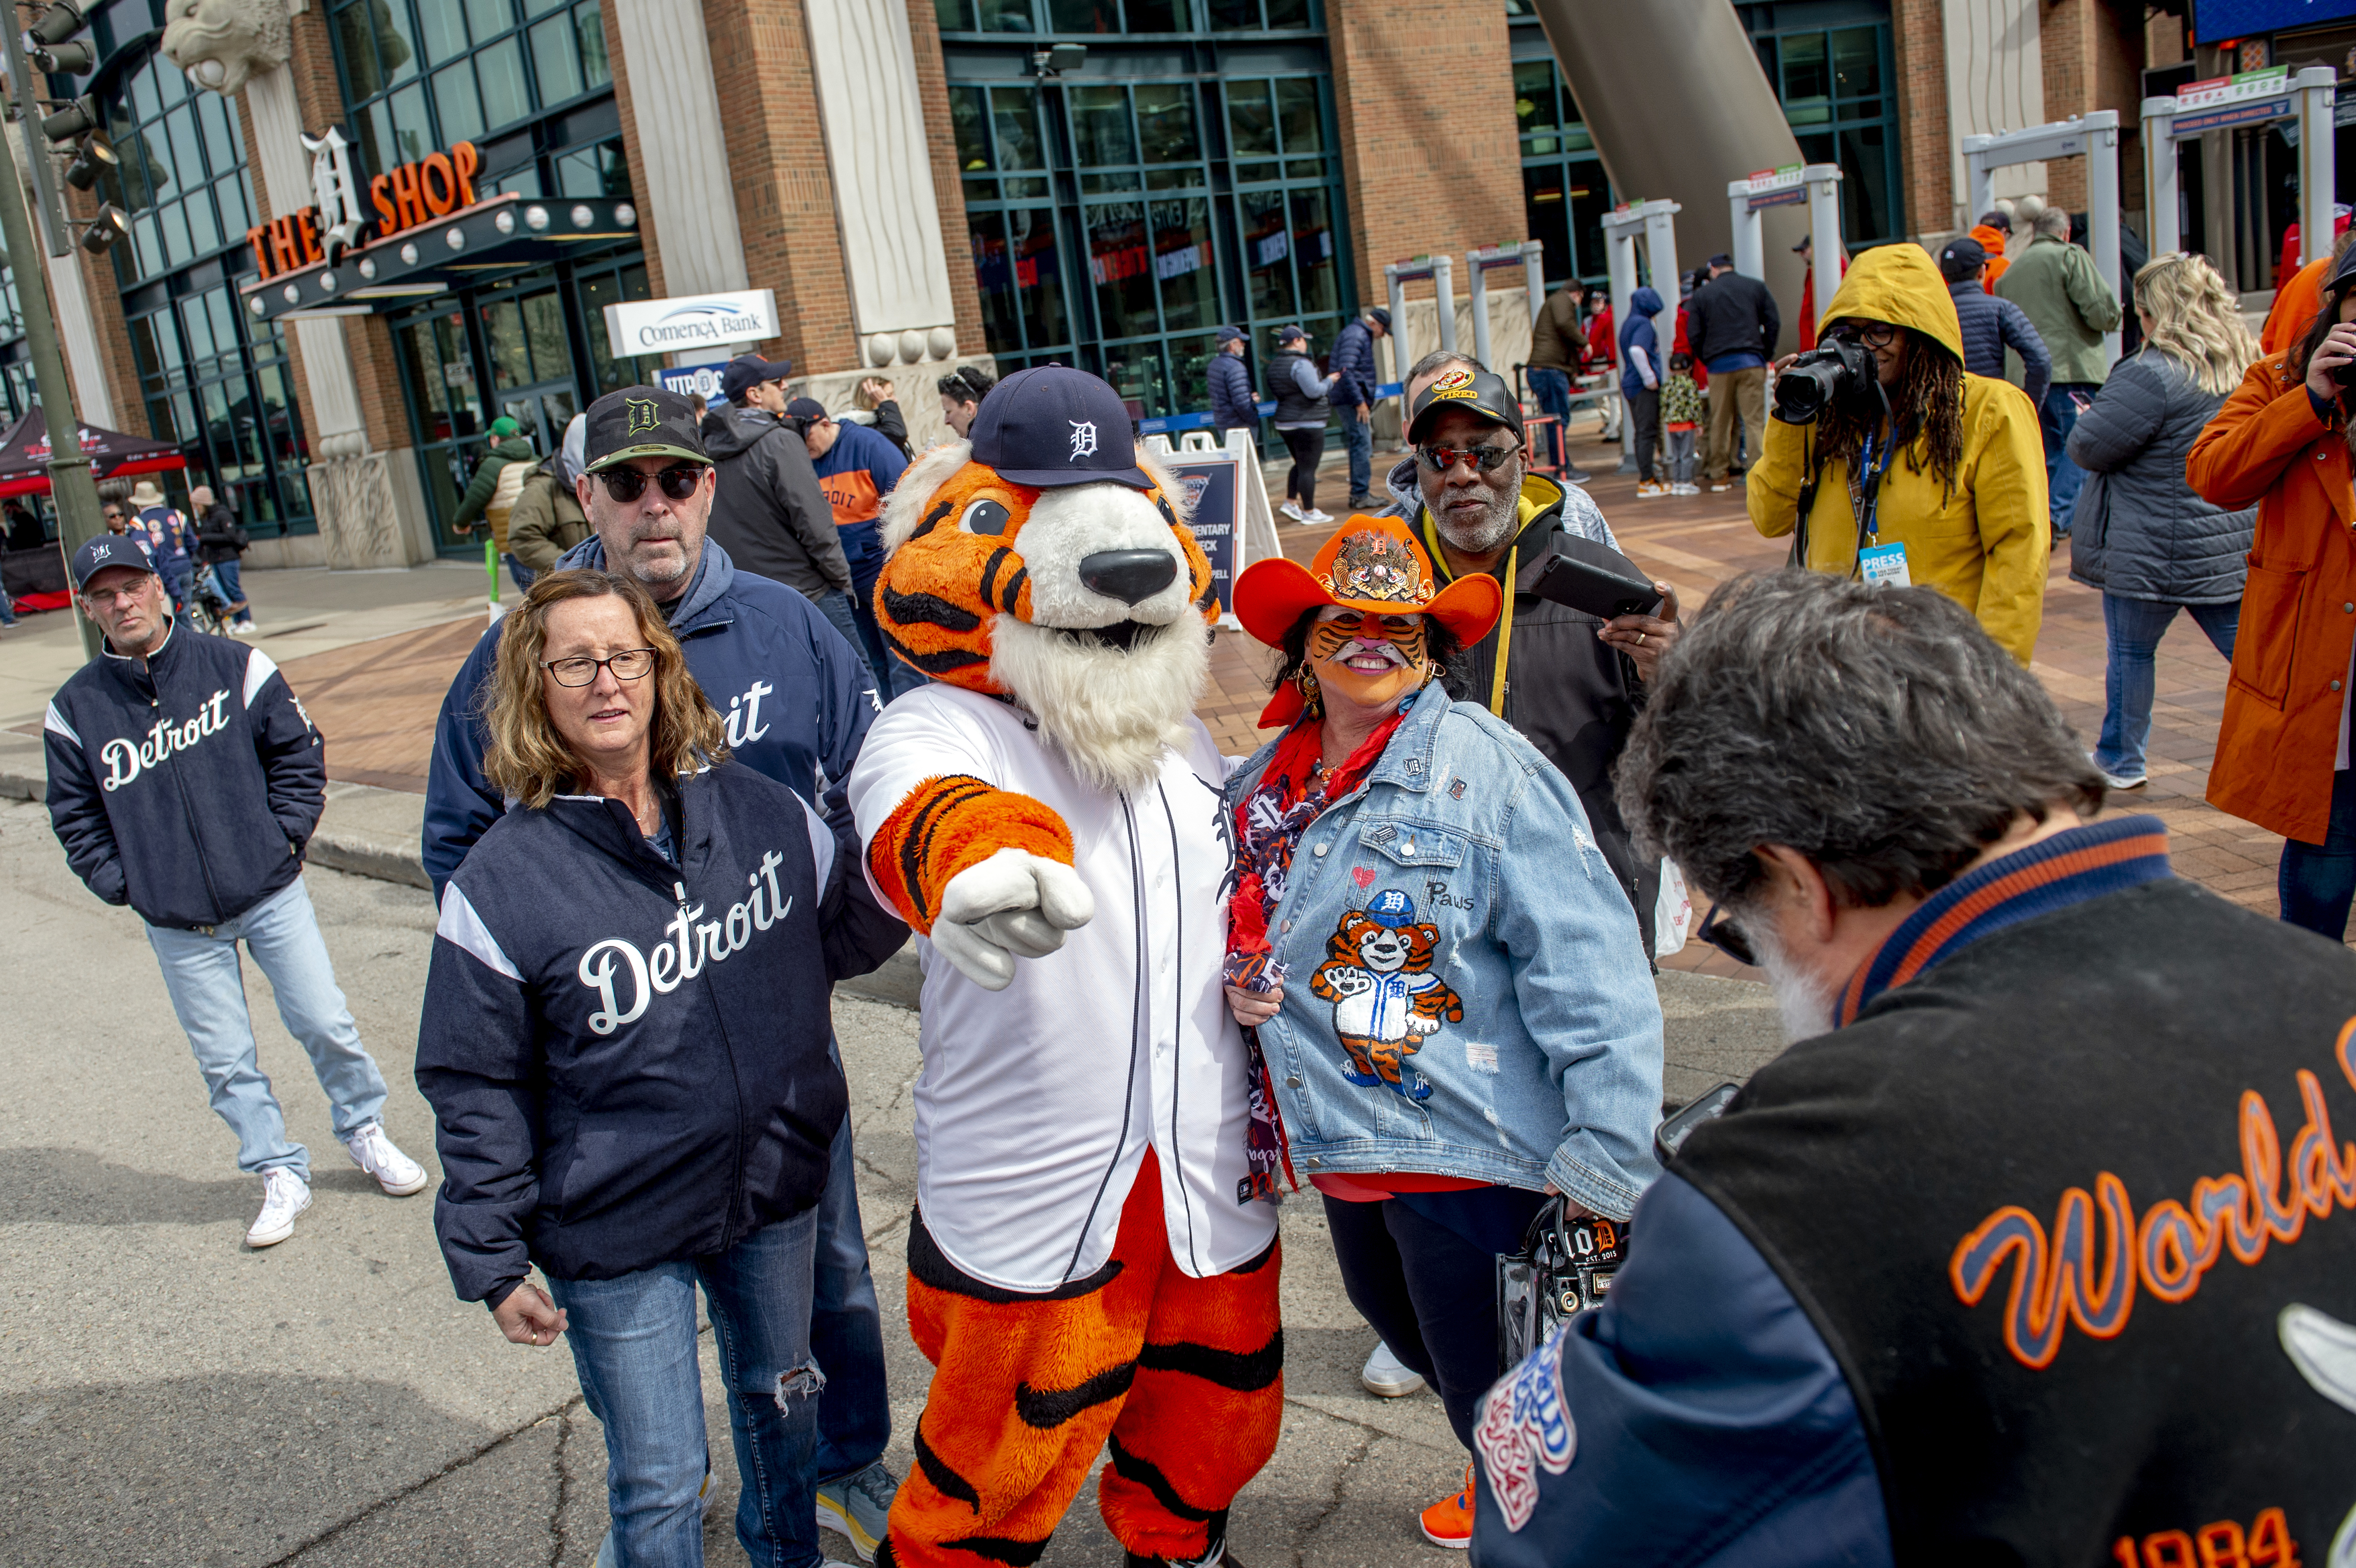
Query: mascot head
1046, 560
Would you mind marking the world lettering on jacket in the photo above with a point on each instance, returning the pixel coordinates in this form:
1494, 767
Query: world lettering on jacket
689, 943
2087, 1269
125, 760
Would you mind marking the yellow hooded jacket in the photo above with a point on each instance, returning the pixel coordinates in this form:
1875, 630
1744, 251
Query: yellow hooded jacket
1985, 545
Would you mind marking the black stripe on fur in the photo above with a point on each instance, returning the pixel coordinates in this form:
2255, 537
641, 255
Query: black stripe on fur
999, 1548
932, 519
945, 661
944, 1480
1014, 588
1241, 1372
989, 571
931, 1266
918, 842
1147, 1474
1051, 1408
927, 609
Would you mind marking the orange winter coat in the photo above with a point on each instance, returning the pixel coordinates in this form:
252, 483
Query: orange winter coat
2281, 729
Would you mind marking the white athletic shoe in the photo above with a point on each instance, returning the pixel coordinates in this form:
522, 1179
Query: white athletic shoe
284, 1196
1387, 1377
1315, 516
394, 1171
1292, 509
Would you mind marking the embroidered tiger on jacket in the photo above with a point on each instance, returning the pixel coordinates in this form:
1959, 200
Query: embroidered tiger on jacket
1387, 1001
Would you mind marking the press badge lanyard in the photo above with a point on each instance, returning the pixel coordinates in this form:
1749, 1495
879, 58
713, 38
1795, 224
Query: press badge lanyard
1865, 493
1504, 621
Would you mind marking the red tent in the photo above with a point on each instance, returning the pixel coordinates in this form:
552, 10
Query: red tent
25, 455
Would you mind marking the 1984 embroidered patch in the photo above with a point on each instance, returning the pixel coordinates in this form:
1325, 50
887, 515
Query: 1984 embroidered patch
1526, 1425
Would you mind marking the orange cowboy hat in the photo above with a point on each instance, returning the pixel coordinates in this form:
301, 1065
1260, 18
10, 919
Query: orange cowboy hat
1370, 564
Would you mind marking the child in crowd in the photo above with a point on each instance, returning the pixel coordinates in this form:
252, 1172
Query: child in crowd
1680, 418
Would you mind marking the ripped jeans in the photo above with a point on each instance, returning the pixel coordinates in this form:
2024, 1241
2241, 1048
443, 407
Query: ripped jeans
634, 1344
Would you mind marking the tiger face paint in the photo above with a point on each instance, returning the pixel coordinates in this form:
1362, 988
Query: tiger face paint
1368, 660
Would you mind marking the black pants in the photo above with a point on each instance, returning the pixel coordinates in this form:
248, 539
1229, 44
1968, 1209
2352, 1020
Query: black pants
1307, 446
1644, 419
1430, 1293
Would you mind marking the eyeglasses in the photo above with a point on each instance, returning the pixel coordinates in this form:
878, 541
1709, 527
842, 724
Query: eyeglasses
1872, 334
105, 597
1726, 936
1487, 459
630, 663
678, 481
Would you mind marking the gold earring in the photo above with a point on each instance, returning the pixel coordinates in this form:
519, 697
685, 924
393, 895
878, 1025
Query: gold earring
1312, 700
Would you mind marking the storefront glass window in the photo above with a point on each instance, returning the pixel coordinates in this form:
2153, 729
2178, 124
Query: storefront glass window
1563, 192
485, 65
1831, 65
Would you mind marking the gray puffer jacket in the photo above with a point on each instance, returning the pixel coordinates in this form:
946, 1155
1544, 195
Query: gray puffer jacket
2140, 531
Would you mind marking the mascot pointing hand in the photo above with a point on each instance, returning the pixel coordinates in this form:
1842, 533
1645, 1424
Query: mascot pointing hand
1088, 1264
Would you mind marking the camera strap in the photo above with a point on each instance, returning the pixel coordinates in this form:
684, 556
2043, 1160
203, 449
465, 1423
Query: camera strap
1807, 501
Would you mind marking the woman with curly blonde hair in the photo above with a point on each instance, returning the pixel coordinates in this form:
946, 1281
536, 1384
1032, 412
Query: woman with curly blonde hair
625, 1044
2141, 534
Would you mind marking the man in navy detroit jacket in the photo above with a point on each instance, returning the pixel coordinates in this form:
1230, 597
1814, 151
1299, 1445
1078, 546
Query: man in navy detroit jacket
184, 780
799, 700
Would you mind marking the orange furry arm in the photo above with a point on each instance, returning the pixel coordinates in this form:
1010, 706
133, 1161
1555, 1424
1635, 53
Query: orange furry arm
948, 823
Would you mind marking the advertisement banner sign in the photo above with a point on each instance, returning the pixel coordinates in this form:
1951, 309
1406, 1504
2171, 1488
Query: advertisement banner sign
2221, 89
692, 321
1208, 481
694, 380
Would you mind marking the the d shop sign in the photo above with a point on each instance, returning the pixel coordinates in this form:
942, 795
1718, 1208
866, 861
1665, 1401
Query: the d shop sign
695, 321
434, 185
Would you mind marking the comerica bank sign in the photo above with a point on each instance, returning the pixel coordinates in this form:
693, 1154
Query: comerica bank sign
693, 321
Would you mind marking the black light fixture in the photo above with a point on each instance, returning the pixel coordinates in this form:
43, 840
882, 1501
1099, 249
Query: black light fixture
111, 224
61, 20
1057, 58
73, 59
91, 159
78, 117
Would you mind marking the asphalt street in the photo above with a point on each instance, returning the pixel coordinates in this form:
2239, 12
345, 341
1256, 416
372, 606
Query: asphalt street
169, 1397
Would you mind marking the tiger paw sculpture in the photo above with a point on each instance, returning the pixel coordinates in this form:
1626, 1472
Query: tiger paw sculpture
1045, 814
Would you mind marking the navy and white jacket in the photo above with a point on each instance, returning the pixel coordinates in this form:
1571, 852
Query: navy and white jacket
798, 698
627, 1059
186, 788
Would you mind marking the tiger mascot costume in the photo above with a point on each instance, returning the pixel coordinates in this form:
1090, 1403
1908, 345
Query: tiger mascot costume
1085, 1264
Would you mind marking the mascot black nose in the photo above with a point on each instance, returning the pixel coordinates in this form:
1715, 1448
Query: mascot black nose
1129, 575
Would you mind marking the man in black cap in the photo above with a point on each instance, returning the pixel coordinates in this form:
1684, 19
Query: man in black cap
1356, 378
798, 701
769, 513
1565, 680
1233, 407
1990, 323
196, 813
1732, 323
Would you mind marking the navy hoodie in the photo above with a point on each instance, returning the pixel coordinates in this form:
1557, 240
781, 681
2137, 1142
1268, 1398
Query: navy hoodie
627, 1059
1637, 332
186, 789
798, 698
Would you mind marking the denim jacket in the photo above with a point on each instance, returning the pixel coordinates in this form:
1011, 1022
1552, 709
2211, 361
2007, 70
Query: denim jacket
1454, 927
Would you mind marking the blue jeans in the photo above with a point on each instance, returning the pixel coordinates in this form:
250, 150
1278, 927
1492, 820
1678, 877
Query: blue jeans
1358, 438
2056, 419
522, 575
207, 989
2132, 629
1551, 388
2317, 881
854, 1414
892, 677
633, 1343
232, 587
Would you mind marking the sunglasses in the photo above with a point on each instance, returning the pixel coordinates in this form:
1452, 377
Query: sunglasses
1726, 936
678, 481
1873, 334
1487, 459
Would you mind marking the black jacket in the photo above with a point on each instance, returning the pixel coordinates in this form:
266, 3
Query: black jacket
769, 513
1574, 696
1990, 325
219, 536
1294, 406
2145, 533
1232, 403
1354, 356
628, 1058
1732, 313
186, 789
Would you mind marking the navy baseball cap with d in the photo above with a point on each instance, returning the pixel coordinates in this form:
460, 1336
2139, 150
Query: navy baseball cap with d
109, 549
1052, 425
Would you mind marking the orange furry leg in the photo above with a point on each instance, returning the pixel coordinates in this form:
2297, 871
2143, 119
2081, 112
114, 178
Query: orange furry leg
948, 823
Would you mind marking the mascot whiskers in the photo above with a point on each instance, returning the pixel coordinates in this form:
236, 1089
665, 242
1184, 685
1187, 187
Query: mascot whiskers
1086, 1265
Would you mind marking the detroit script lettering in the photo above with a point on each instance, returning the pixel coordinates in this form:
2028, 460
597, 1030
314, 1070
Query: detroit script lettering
689, 943
126, 760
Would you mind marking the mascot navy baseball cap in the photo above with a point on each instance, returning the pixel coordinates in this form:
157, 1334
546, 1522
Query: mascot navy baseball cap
1052, 425
109, 549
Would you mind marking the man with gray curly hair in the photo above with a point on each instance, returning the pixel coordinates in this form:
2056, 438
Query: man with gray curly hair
1941, 1272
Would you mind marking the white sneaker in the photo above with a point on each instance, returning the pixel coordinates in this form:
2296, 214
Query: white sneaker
1387, 1377
1292, 509
1648, 489
394, 1171
284, 1196
1313, 516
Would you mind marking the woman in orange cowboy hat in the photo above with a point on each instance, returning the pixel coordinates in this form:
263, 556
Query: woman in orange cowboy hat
1451, 1010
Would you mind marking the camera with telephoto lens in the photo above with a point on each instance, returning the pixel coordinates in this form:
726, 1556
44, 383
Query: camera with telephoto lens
1841, 368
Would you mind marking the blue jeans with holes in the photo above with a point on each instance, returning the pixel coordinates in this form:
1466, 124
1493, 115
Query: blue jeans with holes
2318, 881
634, 1344
208, 988
2131, 632
854, 1418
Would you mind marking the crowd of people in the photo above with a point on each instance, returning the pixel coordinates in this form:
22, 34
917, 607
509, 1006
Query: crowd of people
780, 692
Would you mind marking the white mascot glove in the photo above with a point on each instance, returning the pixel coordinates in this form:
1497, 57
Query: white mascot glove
1014, 905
